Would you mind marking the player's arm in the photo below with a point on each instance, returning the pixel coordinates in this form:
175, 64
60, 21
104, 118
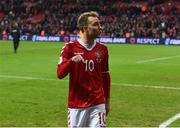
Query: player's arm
64, 62
106, 80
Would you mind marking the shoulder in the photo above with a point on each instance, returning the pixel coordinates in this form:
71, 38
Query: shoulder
70, 44
102, 46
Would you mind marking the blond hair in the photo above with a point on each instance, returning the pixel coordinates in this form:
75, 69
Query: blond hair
83, 18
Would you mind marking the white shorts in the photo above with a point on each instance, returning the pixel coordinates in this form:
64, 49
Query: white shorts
87, 117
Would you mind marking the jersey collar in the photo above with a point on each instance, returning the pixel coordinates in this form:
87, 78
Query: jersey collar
83, 44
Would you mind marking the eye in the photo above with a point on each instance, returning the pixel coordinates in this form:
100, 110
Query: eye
97, 24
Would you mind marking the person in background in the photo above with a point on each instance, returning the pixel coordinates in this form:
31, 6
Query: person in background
16, 36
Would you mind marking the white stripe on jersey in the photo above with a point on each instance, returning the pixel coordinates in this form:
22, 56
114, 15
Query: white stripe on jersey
69, 42
65, 46
102, 43
60, 60
62, 49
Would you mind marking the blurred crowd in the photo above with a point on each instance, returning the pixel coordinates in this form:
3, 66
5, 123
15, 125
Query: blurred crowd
120, 18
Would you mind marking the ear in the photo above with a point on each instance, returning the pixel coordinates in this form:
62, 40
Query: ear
84, 28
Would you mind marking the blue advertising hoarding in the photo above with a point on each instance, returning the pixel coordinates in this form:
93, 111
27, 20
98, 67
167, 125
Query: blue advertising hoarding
132, 40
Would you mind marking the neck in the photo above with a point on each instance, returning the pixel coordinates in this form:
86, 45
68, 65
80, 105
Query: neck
88, 40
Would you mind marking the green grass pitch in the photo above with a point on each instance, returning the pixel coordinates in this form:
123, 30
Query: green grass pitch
145, 89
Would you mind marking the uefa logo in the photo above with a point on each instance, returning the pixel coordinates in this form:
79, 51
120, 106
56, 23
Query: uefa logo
132, 40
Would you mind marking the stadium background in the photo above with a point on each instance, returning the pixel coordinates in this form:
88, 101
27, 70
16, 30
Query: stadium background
145, 78
151, 18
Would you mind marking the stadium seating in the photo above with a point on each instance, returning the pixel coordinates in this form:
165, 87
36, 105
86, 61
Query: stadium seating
142, 18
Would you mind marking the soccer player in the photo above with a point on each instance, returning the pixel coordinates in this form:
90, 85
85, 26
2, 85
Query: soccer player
87, 62
16, 36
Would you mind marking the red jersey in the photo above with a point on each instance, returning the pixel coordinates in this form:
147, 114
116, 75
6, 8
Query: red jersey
89, 80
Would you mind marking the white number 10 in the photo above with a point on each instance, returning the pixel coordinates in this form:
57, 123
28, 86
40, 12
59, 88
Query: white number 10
89, 65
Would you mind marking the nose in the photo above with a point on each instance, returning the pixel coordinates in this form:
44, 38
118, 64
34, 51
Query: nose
101, 28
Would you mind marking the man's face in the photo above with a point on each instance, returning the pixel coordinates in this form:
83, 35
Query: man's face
94, 27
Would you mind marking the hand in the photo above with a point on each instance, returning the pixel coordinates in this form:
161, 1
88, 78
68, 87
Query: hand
107, 106
77, 58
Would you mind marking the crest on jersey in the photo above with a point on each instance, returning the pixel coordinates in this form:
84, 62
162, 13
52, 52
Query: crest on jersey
98, 56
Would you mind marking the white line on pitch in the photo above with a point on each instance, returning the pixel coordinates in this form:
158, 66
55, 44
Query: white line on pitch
119, 84
27, 49
146, 86
29, 78
157, 59
169, 121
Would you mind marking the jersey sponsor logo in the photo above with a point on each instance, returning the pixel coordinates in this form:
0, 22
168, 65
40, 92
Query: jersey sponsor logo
78, 53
